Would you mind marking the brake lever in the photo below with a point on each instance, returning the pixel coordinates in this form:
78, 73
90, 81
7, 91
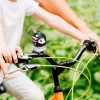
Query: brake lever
24, 59
29, 67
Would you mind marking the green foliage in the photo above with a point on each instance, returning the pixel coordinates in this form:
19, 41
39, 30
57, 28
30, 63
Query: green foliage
61, 45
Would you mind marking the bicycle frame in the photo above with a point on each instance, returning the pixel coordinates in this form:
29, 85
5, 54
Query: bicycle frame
58, 93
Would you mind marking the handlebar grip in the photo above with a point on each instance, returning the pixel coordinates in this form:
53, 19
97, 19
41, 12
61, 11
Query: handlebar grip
91, 45
21, 59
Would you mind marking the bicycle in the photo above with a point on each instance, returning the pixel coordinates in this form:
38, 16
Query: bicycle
39, 41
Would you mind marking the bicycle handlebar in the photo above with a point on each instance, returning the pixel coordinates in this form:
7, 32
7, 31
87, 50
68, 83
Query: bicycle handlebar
39, 41
87, 45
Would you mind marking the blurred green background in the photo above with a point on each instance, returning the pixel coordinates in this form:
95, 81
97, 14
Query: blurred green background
61, 45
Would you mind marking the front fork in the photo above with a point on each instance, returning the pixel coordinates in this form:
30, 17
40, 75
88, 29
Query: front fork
58, 94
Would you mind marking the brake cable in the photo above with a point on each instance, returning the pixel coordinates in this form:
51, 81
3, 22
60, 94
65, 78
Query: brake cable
74, 82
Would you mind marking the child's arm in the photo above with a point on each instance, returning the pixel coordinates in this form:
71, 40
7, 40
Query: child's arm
3, 53
6, 53
59, 24
62, 9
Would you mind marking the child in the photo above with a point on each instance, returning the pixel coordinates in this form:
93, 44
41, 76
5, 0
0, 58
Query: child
12, 14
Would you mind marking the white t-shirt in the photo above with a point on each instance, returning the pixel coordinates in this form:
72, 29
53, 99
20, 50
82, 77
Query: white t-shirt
12, 16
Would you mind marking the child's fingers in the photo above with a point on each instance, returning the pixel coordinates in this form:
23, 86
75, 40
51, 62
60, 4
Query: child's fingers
3, 67
19, 50
5, 57
99, 47
9, 56
14, 56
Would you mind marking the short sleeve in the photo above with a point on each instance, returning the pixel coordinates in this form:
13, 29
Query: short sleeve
0, 15
31, 8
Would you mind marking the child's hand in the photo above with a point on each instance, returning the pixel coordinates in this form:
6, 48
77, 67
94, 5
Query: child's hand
97, 39
7, 56
15, 52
